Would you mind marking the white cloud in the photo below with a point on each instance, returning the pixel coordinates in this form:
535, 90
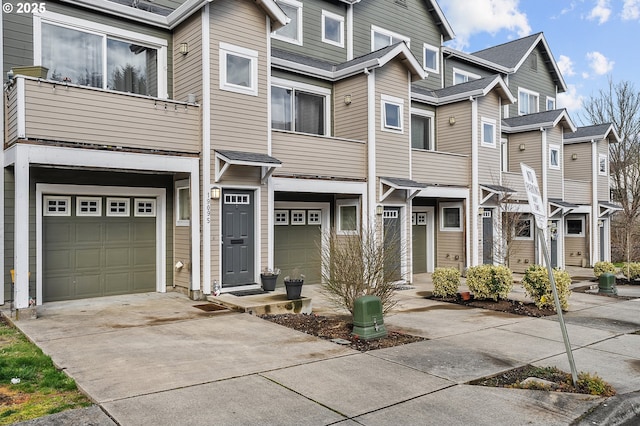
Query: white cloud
472, 17
600, 12
599, 63
570, 99
566, 66
630, 10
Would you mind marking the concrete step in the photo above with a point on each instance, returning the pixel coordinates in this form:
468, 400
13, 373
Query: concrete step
271, 303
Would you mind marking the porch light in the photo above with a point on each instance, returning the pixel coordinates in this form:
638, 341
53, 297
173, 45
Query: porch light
215, 193
183, 48
521, 147
347, 99
452, 120
574, 156
379, 209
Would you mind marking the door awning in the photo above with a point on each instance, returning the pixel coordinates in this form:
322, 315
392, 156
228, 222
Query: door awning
224, 159
390, 184
557, 205
606, 208
489, 191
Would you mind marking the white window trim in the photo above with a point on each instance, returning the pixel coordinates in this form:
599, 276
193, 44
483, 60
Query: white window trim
302, 214
529, 93
432, 127
251, 55
127, 203
339, 18
566, 228
346, 203
46, 212
441, 212
492, 123
551, 149
550, 99
285, 215
295, 85
298, 39
435, 49
314, 217
470, 76
604, 157
98, 211
392, 100
179, 185
531, 225
152, 201
104, 30
379, 30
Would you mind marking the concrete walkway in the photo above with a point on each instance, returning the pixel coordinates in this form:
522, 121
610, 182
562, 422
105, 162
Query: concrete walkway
155, 359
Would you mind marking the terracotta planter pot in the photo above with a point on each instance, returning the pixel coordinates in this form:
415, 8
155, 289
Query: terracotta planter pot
465, 295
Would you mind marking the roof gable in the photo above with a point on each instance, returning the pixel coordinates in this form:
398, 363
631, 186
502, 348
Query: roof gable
463, 91
540, 120
594, 133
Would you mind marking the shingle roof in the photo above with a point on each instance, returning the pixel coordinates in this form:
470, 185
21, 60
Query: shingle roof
302, 59
403, 182
588, 133
250, 157
508, 54
561, 203
497, 188
147, 6
455, 93
545, 118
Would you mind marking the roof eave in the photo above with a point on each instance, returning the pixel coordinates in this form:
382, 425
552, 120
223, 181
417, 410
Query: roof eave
477, 60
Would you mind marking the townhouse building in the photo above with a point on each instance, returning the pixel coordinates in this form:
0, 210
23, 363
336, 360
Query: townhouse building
184, 145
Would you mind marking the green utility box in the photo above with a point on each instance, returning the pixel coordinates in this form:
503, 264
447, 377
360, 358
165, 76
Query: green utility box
607, 284
368, 323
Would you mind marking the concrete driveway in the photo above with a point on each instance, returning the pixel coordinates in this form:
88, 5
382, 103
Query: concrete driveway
155, 359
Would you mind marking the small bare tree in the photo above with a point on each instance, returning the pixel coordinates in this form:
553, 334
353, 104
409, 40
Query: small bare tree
360, 264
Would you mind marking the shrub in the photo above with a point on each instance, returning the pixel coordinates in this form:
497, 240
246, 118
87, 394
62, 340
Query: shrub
631, 271
537, 285
593, 384
445, 281
601, 267
490, 281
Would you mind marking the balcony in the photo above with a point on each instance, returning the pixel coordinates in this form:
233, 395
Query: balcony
441, 168
321, 156
56, 112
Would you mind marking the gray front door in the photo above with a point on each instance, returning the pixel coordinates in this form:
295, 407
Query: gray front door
487, 237
554, 243
602, 258
392, 243
237, 238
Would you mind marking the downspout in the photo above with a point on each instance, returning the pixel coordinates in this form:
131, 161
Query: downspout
472, 218
349, 32
409, 210
595, 168
206, 152
371, 152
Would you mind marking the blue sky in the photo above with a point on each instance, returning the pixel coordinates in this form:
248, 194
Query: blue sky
591, 40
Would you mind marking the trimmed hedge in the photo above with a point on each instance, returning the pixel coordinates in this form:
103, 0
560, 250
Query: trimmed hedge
537, 285
490, 281
602, 267
631, 271
445, 281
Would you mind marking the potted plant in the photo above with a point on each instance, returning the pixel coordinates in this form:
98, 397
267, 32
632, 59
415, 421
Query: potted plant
293, 284
268, 278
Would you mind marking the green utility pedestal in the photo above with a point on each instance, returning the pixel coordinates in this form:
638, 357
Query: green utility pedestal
368, 323
607, 284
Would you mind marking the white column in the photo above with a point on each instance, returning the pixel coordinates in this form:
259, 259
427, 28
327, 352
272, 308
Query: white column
472, 212
595, 230
21, 229
206, 173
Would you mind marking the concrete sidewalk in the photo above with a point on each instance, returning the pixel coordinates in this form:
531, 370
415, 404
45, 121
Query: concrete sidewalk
152, 359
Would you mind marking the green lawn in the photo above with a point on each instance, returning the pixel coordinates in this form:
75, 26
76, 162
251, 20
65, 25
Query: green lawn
43, 389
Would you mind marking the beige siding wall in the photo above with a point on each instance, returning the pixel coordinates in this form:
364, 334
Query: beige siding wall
577, 191
350, 121
603, 181
11, 106
319, 156
532, 154
456, 138
187, 69
182, 252
449, 246
78, 114
580, 169
392, 148
573, 246
489, 156
514, 181
435, 167
522, 255
554, 176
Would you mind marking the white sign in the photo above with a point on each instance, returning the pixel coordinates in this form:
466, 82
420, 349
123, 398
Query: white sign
538, 208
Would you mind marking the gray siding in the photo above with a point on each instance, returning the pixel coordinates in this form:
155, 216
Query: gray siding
451, 63
538, 80
554, 176
456, 138
489, 157
187, 69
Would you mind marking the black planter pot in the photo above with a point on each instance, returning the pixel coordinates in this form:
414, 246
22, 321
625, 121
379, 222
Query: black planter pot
294, 289
268, 282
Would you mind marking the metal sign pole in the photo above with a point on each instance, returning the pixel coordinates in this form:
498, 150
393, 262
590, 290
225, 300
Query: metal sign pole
556, 299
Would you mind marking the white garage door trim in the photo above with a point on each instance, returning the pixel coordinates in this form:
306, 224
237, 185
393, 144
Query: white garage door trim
160, 195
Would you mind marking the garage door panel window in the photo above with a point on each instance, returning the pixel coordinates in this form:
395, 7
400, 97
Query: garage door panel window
118, 207
314, 217
281, 217
57, 206
145, 207
88, 206
298, 217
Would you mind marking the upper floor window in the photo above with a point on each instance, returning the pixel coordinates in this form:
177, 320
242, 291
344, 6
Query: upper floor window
96, 55
551, 103
238, 69
603, 161
554, 157
431, 58
392, 113
299, 107
527, 101
332, 28
422, 130
488, 132
461, 76
382, 38
292, 32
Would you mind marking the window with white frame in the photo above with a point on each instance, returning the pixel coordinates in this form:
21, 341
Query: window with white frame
88, 206
281, 217
292, 32
527, 101
461, 76
97, 55
183, 203
238, 69
314, 217
392, 113
348, 219
488, 132
551, 103
145, 207
554, 157
382, 38
574, 227
422, 130
523, 229
504, 155
298, 217
451, 216
332, 28
55, 205
118, 207
299, 107
431, 58
603, 162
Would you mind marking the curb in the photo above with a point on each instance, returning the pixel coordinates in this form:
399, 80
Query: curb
622, 410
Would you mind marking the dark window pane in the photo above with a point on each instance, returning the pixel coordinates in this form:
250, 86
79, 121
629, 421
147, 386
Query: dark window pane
309, 113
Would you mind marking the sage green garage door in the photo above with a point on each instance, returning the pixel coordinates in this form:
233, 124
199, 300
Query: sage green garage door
297, 244
98, 256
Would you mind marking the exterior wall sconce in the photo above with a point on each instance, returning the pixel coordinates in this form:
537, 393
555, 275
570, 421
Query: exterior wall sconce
452, 121
521, 147
347, 99
183, 48
574, 156
215, 193
481, 211
379, 209
601, 223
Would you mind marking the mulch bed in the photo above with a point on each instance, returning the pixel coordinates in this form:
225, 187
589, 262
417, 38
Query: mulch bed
510, 306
